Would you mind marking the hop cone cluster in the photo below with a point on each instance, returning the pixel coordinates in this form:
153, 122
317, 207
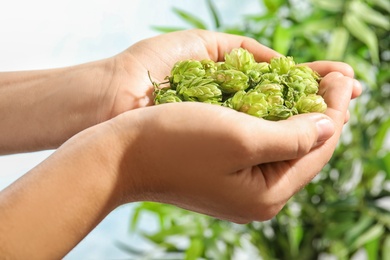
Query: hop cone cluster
273, 91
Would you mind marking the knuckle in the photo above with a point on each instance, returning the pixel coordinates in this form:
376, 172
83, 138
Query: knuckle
304, 142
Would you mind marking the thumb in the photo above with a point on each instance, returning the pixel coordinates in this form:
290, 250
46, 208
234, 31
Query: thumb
290, 139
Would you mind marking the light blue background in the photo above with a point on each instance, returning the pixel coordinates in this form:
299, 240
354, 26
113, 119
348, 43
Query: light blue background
44, 34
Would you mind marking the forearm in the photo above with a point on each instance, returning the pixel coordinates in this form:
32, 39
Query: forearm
42, 109
53, 207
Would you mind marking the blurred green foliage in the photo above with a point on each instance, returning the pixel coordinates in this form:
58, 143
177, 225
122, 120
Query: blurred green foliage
340, 213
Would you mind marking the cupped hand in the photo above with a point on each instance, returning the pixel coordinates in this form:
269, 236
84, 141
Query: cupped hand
130, 86
224, 163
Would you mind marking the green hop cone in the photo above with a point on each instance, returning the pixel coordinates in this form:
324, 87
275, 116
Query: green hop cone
209, 66
252, 102
166, 96
256, 72
282, 65
311, 103
200, 89
306, 71
270, 78
280, 112
239, 59
291, 96
303, 79
231, 81
273, 93
185, 70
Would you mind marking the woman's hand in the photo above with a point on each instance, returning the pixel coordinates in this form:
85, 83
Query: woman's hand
131, 87
224, 163
42, 109
201, 157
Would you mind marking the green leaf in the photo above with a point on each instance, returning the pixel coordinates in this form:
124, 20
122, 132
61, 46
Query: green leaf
369, 15
381, 134
385, 163
361, 226
314, 26
190, 18
329, 5
195, 249
295, 234
372, 249
135, 218
214, 13
384, 4
338, 44
373, 233
167, 29
339, 249
273, 5
386, 248
282, 39
363, 69
362, 32
259, 18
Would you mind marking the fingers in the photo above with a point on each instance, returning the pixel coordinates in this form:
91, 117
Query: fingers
357, 89
288, 139
290, 176
224, 43
296, 137
326, 67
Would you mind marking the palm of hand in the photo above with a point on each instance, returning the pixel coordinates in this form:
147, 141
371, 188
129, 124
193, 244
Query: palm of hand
131, 87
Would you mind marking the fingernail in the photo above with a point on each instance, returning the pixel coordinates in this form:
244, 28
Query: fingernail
325, 128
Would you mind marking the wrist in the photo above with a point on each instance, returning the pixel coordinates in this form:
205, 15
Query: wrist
42, 109
126, 156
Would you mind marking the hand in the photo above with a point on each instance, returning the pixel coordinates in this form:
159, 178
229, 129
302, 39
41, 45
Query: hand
131, 87
201, 157
62, 102
223, 163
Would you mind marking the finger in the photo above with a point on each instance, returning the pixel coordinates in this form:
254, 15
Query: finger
347, 116
357, 89
326, 67
294, 174
287, 139
226, 42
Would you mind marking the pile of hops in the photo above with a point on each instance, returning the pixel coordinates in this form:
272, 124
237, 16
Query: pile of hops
273, 91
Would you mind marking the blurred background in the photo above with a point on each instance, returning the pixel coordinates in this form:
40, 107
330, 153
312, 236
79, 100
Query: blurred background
342, 214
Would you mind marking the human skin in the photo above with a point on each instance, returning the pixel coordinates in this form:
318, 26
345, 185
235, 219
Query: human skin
113, 148
42, 109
